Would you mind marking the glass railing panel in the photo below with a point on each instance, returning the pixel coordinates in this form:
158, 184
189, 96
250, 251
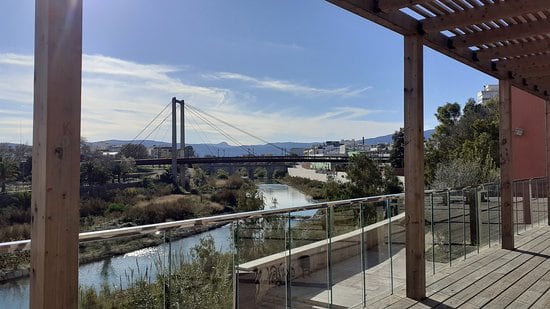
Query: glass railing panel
537, 195
471, 217
346, 268
483, 202
198, 269
123, 271
14, 283
377, 248
438, 254
262, 259
429, 230
539, 201
309, 256
170, 269
493, 214
519, 205
457, 229
396, 247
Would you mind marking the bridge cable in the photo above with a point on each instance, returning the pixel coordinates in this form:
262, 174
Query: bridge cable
201, 134
188, 106
146, 126
221, 131
163, 120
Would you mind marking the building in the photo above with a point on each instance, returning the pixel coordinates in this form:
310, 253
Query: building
488, 92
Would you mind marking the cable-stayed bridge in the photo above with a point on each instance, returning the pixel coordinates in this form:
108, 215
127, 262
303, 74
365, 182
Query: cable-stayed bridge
180, 157
244, 159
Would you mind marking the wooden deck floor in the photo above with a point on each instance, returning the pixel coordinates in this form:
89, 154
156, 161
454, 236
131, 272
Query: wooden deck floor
495, 278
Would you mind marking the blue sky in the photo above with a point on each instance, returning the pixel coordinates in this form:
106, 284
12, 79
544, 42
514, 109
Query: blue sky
284, 70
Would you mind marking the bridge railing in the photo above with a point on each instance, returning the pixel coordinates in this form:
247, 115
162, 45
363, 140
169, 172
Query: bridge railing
347, 253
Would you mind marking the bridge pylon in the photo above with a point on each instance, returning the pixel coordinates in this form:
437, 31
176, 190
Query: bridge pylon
175, 153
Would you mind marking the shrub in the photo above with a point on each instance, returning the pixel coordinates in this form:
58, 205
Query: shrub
225, 197
114, 207
92, 207
234, 182
15, 232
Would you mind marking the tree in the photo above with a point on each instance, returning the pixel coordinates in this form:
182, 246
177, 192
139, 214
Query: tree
8, 171
95, 171
397, 153
448, 115
85, 150
136, 151
189, 152
471, 135
464, 151
391, 183
249, 198
121, 168
364, 176
198, 178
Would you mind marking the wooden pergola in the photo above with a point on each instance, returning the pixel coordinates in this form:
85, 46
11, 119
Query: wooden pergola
507, 39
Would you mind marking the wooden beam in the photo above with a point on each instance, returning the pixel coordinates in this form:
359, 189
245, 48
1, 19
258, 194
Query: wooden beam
510, 32
392, 5
414, 167
536, 71
547, 139
56, 154
505, 131
404, 24
395, 21
514, 50
486, 13
518, 63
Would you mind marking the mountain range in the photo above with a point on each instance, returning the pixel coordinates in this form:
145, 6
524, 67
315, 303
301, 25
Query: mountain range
224, 149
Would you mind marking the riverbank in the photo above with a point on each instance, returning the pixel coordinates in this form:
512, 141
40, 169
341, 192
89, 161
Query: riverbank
100, 250
313, 188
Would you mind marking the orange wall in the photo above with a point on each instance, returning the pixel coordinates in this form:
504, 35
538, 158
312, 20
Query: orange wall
528, 150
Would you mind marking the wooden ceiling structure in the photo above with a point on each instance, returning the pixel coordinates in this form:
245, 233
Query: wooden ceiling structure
507, 39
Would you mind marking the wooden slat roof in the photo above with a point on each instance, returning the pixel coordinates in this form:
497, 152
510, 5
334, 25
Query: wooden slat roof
507, 39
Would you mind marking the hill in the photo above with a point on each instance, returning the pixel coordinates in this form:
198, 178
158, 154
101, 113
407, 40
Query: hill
224, 149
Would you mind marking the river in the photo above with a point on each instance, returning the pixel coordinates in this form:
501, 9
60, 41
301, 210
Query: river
117, 271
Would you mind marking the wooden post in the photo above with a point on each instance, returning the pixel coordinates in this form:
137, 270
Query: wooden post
548, 159
414, 167
505, 109
56, 154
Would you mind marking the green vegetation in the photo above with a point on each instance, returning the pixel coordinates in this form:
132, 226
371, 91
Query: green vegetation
397, 153
365, 179
136, 151
464, 148
8, 171
106, 206
201, 280
313, 188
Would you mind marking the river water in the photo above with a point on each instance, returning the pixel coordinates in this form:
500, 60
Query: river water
120, 270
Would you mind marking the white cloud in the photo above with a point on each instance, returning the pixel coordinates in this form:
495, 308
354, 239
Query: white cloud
286, 86
293, 47
120, 97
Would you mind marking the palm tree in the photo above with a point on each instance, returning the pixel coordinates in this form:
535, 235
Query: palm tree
8, 170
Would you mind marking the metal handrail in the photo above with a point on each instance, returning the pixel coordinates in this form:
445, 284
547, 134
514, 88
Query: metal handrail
23, 245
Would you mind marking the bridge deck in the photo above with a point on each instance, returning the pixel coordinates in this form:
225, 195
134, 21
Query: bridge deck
246, 159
